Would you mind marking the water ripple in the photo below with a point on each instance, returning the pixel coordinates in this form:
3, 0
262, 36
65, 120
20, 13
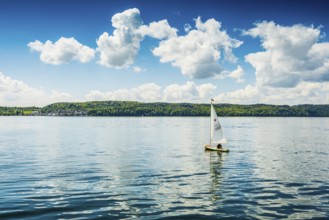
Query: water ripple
68, 168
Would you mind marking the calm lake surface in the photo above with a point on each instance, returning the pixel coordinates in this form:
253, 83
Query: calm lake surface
156, 168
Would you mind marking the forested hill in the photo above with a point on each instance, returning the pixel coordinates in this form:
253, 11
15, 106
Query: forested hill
129, 108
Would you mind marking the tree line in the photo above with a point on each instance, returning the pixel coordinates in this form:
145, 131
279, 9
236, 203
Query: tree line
131, 108
9, 111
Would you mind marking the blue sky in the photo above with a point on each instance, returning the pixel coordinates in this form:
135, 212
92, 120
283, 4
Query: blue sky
245, 52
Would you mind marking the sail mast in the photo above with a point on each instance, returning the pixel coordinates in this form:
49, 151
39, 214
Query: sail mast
211, 130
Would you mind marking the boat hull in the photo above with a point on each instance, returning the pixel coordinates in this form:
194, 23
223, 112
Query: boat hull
209, 148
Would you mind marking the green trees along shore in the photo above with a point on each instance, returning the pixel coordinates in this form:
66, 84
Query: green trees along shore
130, 108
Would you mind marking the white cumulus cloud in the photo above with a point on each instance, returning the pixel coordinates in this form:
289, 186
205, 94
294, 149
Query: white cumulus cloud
198, 52
151, 92
147, 92
190, 92
292, 54
62, 51
303, 93
120, 49
17, 93
237, 74
159, 30
292, 69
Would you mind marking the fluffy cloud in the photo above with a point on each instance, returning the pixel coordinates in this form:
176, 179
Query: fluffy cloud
147, 92
237, 74
17, 93
249, 94
159, 30
62, 51
292, 69
198, 52
120, 49
303, 93
190, 92
292, 55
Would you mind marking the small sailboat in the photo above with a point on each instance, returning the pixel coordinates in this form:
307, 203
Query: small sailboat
217, 138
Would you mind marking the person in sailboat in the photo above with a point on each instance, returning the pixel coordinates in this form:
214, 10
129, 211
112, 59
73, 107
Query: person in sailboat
219, 146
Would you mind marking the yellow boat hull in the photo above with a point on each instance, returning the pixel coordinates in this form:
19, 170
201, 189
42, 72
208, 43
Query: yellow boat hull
207, 147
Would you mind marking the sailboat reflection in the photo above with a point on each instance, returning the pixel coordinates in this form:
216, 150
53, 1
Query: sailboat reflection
216, 161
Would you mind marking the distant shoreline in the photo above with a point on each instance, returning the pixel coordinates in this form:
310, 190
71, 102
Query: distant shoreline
139, 109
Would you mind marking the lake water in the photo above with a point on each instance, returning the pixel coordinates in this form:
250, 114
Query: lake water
156, 168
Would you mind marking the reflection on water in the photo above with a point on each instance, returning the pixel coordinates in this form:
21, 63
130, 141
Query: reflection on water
151, 168
215, 164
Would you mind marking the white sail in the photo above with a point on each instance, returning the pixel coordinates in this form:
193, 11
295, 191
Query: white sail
216, 130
